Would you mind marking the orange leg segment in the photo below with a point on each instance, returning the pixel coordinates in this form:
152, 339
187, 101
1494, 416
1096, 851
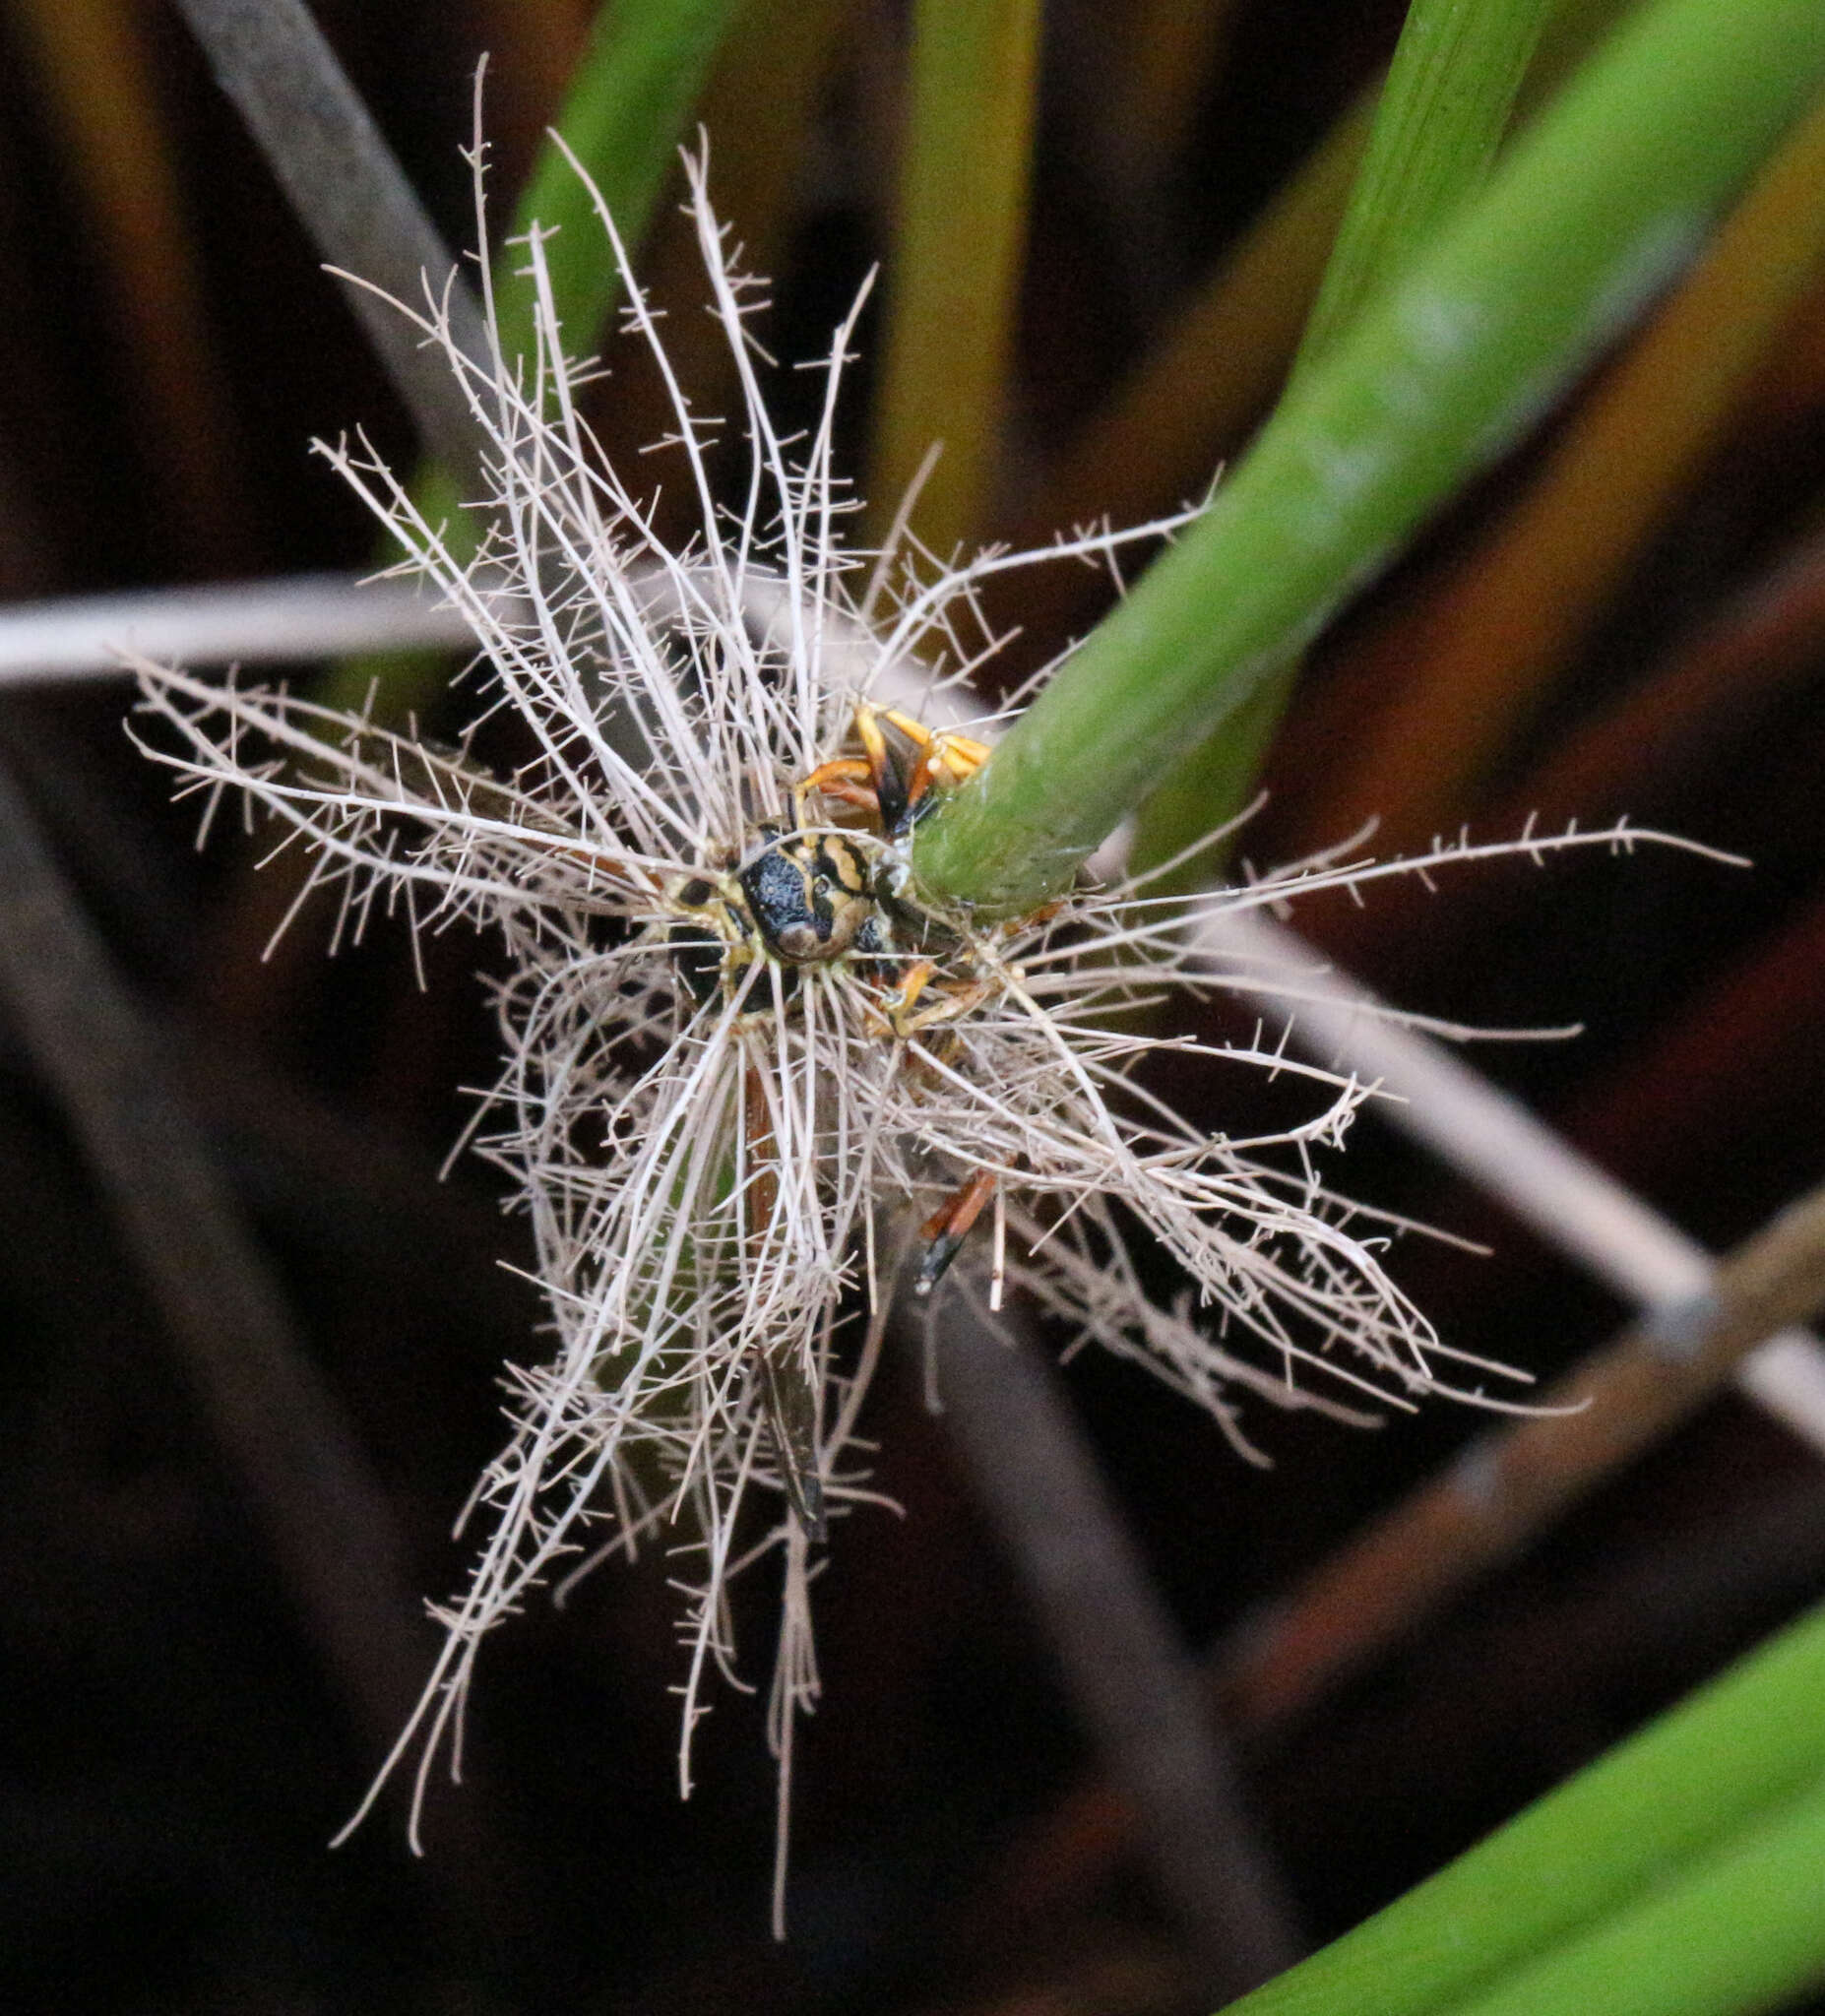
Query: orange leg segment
947, 1227
946, 758
846, 777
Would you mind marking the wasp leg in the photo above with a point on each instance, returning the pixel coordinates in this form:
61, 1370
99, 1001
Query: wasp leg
947, 1000
878, 780
846, 777
889, 786
947, 1227
897, 1002
952, 999
789, 1392
946, 758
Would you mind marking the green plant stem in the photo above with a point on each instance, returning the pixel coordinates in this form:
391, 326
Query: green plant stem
1705, 1830
623, 118
1500, 629
1442, 113
1608, 195
959, 244
1447, 101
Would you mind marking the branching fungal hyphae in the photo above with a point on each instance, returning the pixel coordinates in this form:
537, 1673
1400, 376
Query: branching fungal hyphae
743, 1051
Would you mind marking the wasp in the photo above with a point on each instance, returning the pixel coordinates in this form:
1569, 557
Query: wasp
813, 893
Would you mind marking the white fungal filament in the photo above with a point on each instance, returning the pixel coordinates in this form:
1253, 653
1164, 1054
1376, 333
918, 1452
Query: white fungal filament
714, 1171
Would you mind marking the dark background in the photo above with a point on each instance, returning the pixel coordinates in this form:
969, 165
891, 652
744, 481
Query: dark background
179, 1743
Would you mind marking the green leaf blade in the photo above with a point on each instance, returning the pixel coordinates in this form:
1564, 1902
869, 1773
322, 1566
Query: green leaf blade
1728, 1782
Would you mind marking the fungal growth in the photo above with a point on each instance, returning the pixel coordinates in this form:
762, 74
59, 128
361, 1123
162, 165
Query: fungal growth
756, 1082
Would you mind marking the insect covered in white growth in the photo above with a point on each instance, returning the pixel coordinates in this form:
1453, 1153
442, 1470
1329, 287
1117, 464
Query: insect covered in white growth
754, 1077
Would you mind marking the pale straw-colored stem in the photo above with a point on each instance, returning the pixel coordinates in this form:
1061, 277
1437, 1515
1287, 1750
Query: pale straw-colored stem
257, 622
1492, 1139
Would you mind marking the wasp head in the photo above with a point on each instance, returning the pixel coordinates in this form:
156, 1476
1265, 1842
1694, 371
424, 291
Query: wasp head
810, 893
799, 898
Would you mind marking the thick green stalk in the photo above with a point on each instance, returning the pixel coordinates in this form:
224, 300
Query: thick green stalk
955, 277
1609, 194
1440, 118
1441, 114
1718, 1803
623, 118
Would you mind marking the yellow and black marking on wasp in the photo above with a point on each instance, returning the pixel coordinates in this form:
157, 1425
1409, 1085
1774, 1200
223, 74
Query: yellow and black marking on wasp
800, 898
811, 895
808, 894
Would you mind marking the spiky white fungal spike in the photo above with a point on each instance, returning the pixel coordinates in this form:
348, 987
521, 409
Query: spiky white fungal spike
718, 1104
